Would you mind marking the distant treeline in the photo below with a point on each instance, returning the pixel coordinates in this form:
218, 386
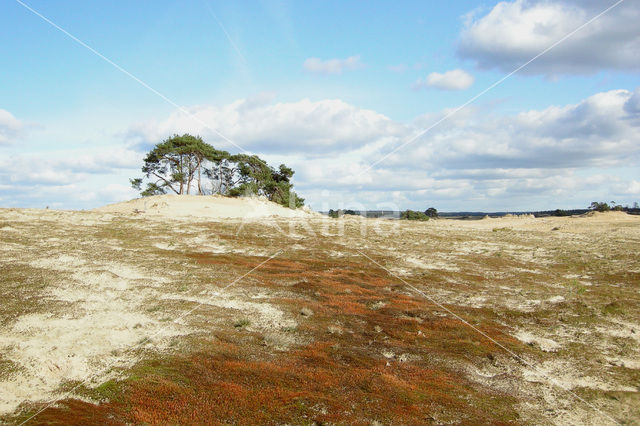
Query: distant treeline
390, 214
386, 214
410, 214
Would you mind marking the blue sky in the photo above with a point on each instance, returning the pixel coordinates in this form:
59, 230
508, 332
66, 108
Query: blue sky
330, 88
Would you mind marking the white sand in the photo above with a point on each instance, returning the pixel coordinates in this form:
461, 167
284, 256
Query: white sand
207, 206
90, 342
579, 224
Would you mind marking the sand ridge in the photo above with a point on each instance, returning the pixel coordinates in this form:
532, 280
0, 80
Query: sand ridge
204, 206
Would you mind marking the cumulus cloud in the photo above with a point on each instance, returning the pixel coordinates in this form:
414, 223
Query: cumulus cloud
64, 168
451, 80
632, 106
596, 132
473, 157
295, 127
332, 66
68, 179
514, 32
633, 187
10, 127
79, 195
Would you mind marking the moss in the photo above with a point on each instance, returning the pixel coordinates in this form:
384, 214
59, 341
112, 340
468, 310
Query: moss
241, 323
613, 308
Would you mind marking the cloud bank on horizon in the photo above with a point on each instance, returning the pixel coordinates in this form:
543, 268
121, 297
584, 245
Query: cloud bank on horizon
557, 142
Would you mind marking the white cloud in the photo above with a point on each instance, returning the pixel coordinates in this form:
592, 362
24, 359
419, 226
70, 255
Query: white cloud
629, 188
66, 167
537, 156
69, 179
597, 132
473, 157
514, 32
632, 106
450, 80
332, 66
10, 127
296, 127
560, 156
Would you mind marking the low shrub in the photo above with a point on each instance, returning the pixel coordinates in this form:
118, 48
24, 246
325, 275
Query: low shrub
413, 215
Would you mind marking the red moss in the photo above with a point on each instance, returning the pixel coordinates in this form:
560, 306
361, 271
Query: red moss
339, 378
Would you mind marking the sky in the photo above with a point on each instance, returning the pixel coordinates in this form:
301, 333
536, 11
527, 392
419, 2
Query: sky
459, 105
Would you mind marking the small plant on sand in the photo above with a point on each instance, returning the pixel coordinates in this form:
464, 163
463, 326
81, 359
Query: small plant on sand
241, 323
501, 229
612, 308
578, 287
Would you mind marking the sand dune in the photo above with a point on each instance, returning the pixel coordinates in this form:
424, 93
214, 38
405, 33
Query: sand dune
203, 207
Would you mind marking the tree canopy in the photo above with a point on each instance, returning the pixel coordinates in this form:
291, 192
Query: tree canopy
431, 212
340, 213
413, 215
182, 164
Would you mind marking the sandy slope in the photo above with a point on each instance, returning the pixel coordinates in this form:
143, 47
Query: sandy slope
579, 224
203, 207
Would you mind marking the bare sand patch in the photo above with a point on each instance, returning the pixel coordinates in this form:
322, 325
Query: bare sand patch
546, 345
91, 340
431, 264
203, 207
567, 376
260, 315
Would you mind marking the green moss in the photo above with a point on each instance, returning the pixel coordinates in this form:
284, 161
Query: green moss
612, 308
241, 323
108, 391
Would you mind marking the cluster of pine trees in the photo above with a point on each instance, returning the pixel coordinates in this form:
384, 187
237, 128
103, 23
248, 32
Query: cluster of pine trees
186, 164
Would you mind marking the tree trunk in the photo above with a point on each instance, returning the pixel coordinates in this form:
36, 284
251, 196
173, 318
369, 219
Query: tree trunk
181, 170
189, 174
200, 177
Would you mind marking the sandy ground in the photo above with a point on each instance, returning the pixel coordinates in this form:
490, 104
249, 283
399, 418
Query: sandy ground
88, 294
585, 223
207, 207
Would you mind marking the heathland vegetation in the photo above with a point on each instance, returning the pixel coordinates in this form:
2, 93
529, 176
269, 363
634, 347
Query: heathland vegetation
347, 325
186, 164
